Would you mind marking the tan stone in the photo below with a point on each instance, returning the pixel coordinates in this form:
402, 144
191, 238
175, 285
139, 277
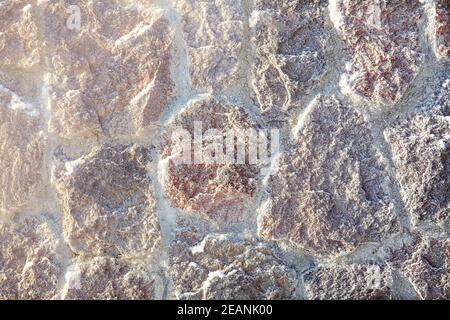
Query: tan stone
442, 28
426, 264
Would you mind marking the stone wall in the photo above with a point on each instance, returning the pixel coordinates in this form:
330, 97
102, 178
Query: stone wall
355, 205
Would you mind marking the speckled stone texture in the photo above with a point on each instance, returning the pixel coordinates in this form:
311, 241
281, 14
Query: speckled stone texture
353, 204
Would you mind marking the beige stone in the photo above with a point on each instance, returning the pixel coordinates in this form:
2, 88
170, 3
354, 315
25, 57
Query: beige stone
30, 261
116, 67
384, 40
214, 35
420, 147
290, 51
20, 46
22, 146
104, 278
349, 282
328, 194
222, 267
108, 202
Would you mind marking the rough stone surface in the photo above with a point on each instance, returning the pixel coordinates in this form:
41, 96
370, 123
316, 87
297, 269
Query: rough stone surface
108, 202
214, 32
114, 72
289, 50
421, 152
428, 268
19, 36
95, 203
354, 282
30, 263
219, 191
385, 43
21, 150
442, 28
220, 267
108, 278
424, 261
328, 195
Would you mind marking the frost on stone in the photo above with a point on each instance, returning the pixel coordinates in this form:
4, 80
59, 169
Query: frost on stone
420, 147
384, 41
213, 31
108, 202
21, 151
328, 194
290, 51
113, 73
30, 265
222, 267
349, 282
19, 41
217, 190
104, 278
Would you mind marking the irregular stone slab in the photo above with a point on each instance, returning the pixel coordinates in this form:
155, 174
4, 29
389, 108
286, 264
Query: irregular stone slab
30, 260
442, 29
215, 189
290, 49
220, 267
114, 70
213, 32
427, 266
105, 278
328, 194
384, 40
108, 203
22, 147
421, 147
351, 282
20, 47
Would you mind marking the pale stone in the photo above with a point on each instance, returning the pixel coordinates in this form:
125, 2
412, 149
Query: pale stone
105, 278
214, 35
30, 260
223, 267
421, 147
384, 40
290, 51
108, 202
349, 282
20, 46
22, 146
329, 194
117, 66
